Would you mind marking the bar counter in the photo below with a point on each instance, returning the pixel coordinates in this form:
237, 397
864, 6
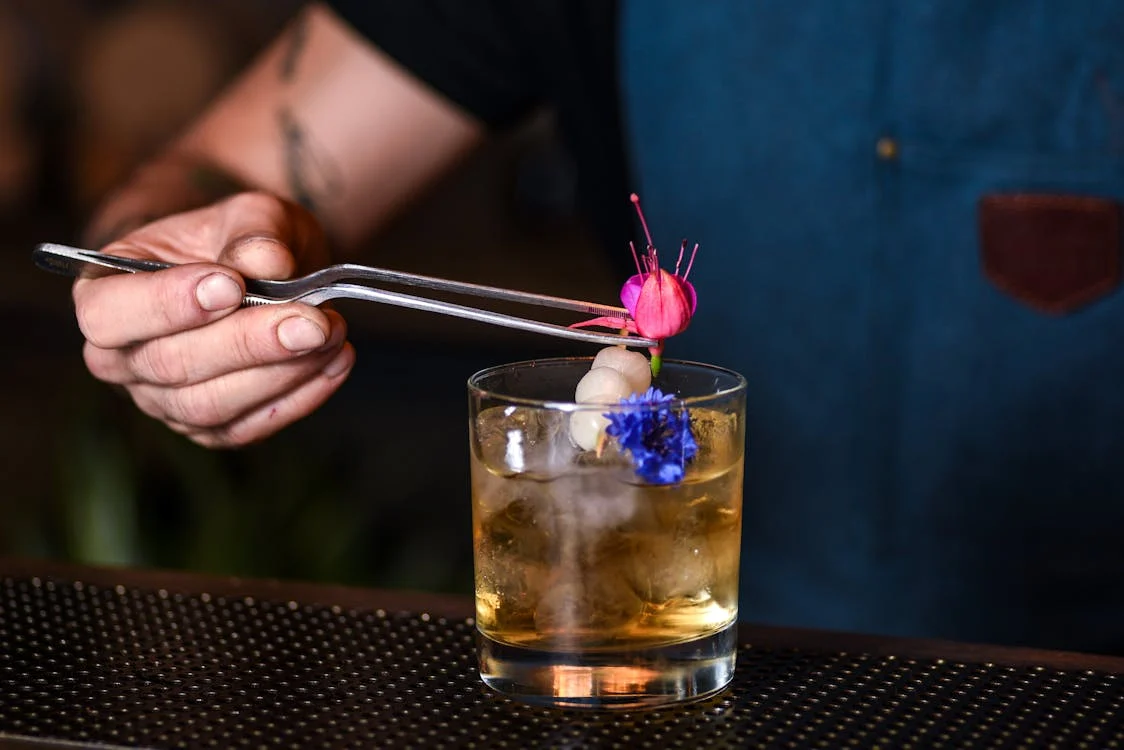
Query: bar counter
110, 657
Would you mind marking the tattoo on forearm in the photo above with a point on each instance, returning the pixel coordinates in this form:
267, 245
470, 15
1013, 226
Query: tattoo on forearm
298, 36
312, 176
292, 138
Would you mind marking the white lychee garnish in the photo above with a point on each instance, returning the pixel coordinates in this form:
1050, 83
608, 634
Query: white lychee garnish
601, 385
635, 367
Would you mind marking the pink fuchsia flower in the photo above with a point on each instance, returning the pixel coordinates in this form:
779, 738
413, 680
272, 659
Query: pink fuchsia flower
661, 304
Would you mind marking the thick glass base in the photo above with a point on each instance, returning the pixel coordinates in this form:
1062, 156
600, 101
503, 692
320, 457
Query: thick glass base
630, 679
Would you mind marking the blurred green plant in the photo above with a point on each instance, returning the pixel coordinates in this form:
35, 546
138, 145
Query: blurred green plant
327, 499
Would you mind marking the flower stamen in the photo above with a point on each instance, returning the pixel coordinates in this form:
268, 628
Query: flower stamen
636, 202
659, 307
691, 262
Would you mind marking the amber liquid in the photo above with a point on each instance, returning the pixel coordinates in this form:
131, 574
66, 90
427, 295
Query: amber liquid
588, 558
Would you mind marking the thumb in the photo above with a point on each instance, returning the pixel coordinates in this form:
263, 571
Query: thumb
265, 237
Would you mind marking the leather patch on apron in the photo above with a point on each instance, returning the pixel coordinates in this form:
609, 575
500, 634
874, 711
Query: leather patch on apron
1055, 253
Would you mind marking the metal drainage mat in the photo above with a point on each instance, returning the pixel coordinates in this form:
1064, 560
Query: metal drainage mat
128, 666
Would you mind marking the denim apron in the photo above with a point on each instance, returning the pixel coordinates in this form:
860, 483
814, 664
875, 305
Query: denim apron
935, 360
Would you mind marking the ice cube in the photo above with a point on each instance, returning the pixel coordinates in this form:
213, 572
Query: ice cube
512, 549
721, 440
662, 568
725, 550
507, 590
586, 598
521, 440
587, 502
490, 493
520, 532
492, 434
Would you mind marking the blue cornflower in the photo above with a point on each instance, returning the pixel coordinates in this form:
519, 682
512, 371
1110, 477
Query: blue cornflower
658, 439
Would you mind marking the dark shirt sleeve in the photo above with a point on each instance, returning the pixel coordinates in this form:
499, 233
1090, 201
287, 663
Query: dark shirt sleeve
500, 60
480, 55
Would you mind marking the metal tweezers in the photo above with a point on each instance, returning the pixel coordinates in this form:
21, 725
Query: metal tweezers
334, 282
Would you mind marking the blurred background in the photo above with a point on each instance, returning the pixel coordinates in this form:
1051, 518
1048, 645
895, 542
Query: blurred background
373, 488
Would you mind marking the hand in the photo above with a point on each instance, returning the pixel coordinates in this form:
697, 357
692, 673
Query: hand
178, 341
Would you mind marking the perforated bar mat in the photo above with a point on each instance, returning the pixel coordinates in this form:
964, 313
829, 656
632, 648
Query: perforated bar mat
126, 666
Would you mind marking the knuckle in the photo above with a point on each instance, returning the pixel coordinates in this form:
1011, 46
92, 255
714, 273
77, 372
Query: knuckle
97, 362
205, 439
250, 346
128, 309
337, 322
86, 316
172, 307
235, 433
148, 403
158, 362
231, 436
169, 405
209, 438
199, 405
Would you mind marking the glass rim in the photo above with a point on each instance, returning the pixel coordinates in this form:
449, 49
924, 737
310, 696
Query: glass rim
740, 386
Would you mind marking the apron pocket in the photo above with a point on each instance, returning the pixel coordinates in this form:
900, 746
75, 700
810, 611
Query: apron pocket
1054, 253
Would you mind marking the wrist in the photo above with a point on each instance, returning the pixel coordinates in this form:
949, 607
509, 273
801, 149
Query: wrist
173, 183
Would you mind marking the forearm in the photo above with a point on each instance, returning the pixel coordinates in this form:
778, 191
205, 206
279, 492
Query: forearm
322, 119
170, 183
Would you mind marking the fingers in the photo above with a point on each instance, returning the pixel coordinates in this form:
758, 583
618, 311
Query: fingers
119, 310
213, 384
258, 234
274, 415
267, 238
181, 344
252, 234
254, 337
218, 402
